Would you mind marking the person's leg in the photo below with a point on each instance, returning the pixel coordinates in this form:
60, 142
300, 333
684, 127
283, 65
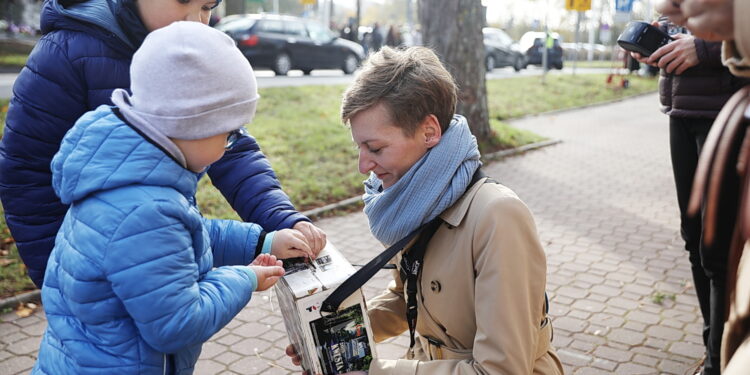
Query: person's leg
684, 149
714, 262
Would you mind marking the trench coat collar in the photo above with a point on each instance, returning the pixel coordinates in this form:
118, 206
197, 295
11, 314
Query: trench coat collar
454, 215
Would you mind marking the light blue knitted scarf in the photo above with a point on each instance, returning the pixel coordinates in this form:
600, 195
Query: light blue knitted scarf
431, 185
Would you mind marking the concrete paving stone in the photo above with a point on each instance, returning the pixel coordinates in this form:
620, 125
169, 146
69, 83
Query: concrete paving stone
27, 346
604, 364
211, 349
643, 317
251, 329
666, 333
612, 354
17, 365
670, 366
36, 329
605, 290
578, 314
582, 346
623, 303
687, 349
8, 327
673, 323
651, 352
576, 267
558, 340
249, 365
656, 343
227, 358
249, 346
646, 360
13, 337
229, 339
634, 369
589, 305
626, 336
570, 324
209, 367
598, 298
27, 321
5, 354
590, 337
590, 371
638, 289
572, 357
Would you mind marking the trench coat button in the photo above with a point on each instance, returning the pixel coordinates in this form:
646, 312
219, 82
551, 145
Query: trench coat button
435, 286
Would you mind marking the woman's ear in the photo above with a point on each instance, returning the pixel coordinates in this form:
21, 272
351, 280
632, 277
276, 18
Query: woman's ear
431, 130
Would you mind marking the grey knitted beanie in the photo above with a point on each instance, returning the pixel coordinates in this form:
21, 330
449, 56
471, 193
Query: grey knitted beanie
188, 81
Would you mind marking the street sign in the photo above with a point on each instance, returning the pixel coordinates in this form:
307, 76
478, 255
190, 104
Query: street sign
578, 5
623, 8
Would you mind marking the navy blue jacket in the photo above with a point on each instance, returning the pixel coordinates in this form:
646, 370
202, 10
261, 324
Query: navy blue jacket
131, 286
84, 55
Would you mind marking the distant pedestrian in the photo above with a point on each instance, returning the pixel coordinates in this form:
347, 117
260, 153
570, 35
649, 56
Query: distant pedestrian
691, 69
82, 57
138, 279
393, 39
376, 38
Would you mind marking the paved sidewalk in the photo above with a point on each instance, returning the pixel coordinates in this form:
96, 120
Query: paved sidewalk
607, 215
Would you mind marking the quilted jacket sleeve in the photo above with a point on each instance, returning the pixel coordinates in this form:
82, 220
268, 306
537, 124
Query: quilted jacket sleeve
232, 242
152, 269
47, 99
245, 178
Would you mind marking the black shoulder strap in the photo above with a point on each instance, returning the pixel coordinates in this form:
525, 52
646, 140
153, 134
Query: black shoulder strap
359, 278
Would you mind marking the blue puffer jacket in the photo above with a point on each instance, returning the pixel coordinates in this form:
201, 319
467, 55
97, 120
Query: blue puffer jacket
130, 277
82, 57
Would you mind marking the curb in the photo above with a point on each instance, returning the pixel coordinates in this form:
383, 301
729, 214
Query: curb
20, 298
315, 213
585, 106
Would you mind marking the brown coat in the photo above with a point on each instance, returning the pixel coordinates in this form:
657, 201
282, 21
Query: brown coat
481, 292
736, 53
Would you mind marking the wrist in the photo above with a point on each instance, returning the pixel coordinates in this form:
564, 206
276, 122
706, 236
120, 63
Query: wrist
267, 243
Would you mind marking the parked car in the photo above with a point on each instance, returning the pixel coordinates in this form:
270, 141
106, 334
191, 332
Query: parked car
282, 43
532, 44
500, 50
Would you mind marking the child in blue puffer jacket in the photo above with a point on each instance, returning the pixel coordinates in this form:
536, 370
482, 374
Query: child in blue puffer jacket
138, 279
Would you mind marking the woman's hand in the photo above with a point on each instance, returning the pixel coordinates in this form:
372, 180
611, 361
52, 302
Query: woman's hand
315, 236
290, 243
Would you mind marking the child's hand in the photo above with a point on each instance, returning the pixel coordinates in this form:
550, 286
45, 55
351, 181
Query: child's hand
266, 260
266, 275
290, 243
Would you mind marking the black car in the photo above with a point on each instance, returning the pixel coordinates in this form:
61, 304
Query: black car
500, 50
532, 43
283, 43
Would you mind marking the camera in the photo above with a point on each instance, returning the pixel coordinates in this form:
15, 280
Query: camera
643, 37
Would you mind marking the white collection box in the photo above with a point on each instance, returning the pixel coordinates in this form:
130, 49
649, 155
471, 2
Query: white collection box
327, 343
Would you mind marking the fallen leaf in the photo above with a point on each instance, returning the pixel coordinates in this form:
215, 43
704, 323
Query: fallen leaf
4, 262
22, 311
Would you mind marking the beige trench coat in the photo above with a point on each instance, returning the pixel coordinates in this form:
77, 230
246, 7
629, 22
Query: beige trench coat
481, 292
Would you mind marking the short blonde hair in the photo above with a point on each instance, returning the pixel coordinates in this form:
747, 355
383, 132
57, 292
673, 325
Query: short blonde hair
412, 83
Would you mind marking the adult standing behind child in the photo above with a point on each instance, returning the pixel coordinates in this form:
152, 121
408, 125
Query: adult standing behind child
84, 55
138, 279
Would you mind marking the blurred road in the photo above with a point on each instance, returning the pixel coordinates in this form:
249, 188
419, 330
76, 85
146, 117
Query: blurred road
267, 78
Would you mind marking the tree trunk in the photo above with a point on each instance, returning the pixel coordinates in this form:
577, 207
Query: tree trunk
453, 29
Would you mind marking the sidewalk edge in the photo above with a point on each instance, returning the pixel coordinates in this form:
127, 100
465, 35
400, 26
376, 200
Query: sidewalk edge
20, 298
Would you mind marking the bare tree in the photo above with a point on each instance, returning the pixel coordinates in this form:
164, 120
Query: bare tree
453, 28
